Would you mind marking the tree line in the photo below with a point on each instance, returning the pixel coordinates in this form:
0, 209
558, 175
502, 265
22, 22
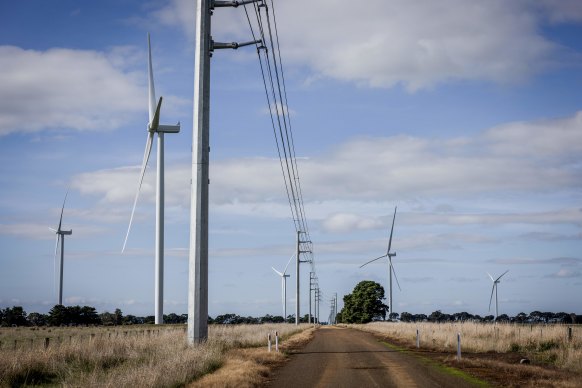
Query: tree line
61, 315
365, 304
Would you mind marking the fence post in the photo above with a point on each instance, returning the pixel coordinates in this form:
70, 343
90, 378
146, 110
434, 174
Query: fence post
458, 346
569, 334
46, 342
269, 342
417, 339
277, 341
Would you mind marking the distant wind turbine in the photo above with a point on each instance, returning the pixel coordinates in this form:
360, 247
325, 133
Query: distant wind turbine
61, 239
494, 288
390, 266
153, 127
284, 277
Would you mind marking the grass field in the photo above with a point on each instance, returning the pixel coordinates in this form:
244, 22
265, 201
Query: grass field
144, 356
548, 344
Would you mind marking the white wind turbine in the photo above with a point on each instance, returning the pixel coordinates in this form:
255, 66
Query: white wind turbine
61, 239
153, 127
390, 266
284, 277
494, 288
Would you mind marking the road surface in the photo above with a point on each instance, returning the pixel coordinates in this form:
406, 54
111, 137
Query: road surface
338, 357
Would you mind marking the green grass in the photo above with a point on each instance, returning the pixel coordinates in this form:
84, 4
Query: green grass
439, 367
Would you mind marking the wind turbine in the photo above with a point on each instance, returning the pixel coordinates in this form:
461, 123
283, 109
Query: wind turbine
494, 288
153, 127
284, 277
61, 238
390, 266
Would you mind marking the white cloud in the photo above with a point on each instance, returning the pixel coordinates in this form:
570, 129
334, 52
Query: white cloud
343, 222
559, 138
178, 13
64, 88
561, 11
389, 42
566, 273
366, 174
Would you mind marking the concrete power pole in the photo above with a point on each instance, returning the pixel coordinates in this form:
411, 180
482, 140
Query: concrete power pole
198, 257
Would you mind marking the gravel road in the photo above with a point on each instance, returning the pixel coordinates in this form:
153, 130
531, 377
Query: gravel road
338, 357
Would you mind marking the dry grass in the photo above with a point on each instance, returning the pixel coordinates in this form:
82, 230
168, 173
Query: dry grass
251, 367
104, 357
547, 344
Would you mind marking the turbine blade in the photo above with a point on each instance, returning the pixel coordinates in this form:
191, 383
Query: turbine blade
502, 275
285, 270
490, 299
395, 277
155, 121
151, 89
146, 157
278, 273
493, 280
62, 210
377, 258
391, 231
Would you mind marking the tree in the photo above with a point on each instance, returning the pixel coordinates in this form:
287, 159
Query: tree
364, 304
107, 318
88, 316
118, 317
406, 317
15, 316
58, 315
37, 319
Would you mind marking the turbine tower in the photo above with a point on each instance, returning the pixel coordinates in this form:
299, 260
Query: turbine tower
494, 288
390, 266
153, 127
284, 277
61, 238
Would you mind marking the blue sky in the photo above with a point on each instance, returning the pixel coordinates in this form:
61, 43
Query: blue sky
467, 115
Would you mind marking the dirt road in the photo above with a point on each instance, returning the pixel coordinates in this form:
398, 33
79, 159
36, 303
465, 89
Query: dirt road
338, 357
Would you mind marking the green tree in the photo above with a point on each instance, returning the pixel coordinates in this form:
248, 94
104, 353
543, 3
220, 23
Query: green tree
107, 318
364, 304
58, 315
118, 317
15, 316
37, 319
88, 316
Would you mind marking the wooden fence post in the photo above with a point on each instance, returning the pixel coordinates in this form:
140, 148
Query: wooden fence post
458, 346
269, 342
46, 342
